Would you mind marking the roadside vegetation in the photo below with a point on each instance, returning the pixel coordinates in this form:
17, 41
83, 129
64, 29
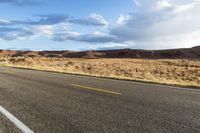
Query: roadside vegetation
182, 72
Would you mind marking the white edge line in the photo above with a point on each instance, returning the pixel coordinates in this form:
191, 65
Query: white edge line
15, 121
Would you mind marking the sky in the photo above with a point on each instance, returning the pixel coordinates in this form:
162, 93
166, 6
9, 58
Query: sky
99, 24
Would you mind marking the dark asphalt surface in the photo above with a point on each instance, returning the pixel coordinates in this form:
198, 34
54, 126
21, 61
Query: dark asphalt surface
6, 126
49, 103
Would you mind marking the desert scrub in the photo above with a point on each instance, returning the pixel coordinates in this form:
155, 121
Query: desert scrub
176, 72
2, 60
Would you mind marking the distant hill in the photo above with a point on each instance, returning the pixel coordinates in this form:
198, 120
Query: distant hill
186, 53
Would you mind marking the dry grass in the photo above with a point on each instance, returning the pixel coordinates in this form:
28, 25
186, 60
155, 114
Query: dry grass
174, 72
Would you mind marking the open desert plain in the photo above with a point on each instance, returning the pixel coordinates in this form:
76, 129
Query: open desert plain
173, 67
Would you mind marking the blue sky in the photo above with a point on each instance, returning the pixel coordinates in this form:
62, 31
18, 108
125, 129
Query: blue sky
99, 24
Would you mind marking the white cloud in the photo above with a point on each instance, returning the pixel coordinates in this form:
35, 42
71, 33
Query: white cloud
175, 8
109, 46
96, 18
94, 37
181, 8
163, 23
11, 34
162, 4
123, 19
54, 19
4, 22
48, 30
136, 2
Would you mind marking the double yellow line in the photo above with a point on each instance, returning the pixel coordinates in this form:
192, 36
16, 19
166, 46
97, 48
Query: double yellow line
96, 89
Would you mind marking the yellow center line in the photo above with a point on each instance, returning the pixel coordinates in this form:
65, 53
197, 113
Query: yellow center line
95, 89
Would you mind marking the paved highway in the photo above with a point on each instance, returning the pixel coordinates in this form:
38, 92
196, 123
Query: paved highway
48, 102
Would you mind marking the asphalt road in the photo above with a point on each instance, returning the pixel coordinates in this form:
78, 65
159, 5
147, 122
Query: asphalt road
60, 103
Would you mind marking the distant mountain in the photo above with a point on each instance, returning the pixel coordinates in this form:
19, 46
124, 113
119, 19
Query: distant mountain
186, 53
